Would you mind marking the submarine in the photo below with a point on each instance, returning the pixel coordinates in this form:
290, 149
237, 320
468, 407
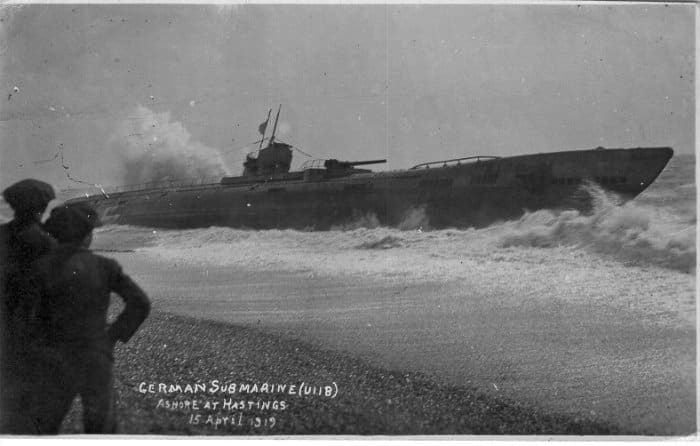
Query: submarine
474, 191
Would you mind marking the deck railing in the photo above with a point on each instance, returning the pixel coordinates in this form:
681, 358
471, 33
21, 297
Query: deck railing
316, 163
455, 161
167, 184
143, 186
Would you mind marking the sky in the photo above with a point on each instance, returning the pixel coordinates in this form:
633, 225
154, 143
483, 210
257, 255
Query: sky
127, 93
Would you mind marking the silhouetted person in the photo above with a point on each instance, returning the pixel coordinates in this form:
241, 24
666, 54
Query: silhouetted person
22, 241
78, 342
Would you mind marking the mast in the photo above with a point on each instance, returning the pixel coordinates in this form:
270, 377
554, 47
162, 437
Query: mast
272, 138
265, 128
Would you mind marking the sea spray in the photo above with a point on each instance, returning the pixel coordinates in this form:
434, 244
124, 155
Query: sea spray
633, 233
155, 149
415, 218
412, 219
358, 220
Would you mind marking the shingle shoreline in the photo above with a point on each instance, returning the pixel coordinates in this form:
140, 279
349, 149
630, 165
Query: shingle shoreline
367, 400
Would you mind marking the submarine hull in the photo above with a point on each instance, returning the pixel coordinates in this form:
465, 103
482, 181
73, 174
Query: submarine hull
467, 194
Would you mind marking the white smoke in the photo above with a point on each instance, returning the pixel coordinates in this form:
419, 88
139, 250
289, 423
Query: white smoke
154, 149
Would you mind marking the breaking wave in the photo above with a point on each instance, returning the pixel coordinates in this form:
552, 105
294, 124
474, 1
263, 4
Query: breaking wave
634, 233
414, 218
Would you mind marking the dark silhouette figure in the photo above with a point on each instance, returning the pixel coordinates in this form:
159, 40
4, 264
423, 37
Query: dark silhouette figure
22, 241
76, 341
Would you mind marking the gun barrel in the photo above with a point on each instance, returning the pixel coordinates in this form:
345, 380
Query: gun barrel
362, 163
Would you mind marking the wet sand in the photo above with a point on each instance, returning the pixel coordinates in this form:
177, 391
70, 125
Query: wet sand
576, 347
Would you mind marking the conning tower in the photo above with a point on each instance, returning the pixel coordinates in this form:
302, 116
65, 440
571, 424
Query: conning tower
274, 159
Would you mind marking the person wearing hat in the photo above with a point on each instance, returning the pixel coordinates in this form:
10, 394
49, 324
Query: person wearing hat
75, 287
22, 241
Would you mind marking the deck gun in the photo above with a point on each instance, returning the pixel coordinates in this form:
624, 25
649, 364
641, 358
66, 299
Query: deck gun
343, 168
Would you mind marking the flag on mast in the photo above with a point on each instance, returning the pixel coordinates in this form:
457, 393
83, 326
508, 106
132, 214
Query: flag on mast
262, 127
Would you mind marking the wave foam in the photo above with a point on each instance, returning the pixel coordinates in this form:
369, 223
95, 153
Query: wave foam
633, 233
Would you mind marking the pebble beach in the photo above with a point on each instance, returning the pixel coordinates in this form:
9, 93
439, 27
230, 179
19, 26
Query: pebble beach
370, 400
